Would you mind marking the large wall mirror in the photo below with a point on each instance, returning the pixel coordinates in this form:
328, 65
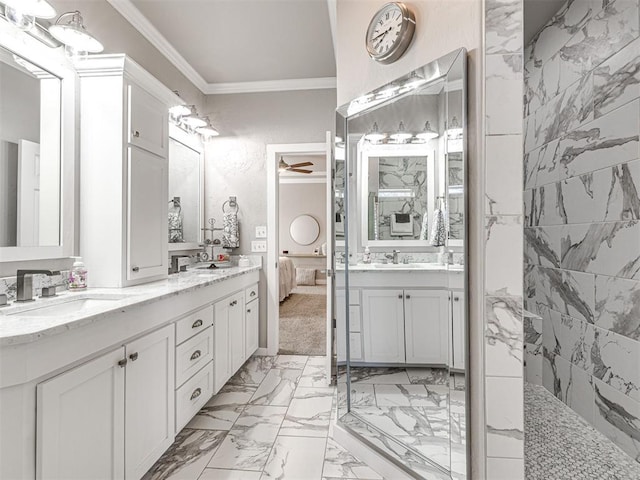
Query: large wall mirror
401, 315
37, 150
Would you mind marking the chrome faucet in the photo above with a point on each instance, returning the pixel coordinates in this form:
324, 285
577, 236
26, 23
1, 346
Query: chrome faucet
393, 256
24, 281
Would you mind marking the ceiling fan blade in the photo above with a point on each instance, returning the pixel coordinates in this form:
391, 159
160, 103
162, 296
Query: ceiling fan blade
298, 170
303, 164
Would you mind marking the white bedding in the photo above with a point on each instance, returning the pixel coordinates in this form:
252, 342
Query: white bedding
287, 277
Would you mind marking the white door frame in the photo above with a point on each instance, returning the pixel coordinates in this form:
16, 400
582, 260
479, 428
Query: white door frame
273, 189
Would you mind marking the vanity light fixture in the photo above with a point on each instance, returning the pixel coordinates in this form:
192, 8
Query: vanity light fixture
192, 119
70, 30
454, 132
178, 111
22, 13
428, 133
401, 135
374, 136
208, 130
387, 92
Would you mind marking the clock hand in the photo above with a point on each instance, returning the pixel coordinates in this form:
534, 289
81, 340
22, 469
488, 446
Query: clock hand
381, 34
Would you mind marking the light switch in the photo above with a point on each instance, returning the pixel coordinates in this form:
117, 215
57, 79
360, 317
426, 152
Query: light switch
259, 246
261, 232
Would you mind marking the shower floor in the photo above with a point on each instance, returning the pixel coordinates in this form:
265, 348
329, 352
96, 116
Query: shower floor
560, 445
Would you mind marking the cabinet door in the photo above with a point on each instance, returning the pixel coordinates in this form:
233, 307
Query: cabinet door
221, 359
458, 331
149, 403
252, 327
80, 421
427, 326
148, 121
147, 230
383, 326
236, 331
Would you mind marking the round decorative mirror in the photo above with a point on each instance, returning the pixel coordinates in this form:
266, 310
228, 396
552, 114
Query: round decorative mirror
304, 230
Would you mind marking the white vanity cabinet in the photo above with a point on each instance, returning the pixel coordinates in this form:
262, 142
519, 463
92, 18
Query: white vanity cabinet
383, 325
229, 327
124, 172
355, 325
458, 342
426, 327
252, 318
111, 417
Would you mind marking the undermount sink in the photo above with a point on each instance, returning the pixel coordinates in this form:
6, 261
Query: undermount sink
64, 305
395, 265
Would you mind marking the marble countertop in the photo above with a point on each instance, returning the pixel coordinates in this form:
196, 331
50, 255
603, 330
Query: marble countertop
27, 322
401, 267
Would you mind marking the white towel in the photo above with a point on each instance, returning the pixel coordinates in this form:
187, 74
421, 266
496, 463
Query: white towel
230, 232
339, 224
439, 228
401, 224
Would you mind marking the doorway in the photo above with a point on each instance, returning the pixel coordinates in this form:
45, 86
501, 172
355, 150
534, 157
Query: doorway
300, 300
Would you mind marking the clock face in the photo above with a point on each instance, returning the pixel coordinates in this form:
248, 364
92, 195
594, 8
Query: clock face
390, 32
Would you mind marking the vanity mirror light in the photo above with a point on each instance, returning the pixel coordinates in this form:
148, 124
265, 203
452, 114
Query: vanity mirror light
186, 190
37, 149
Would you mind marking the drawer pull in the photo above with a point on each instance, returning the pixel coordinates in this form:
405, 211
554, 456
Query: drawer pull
195, 355
133, 356
400, 296
197, 323
136, 134
253, 293
122, 363
235, 302
196, 393
136, 269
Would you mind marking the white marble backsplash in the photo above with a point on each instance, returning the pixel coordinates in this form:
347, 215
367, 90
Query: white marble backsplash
8, 285
582, 214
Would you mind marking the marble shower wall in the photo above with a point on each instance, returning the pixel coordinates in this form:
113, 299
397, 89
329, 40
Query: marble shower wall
582, 213
503, 218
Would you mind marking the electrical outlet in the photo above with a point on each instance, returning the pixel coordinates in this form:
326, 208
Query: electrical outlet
261, 232
259, 246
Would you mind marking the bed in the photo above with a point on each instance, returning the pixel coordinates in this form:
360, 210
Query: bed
287, 277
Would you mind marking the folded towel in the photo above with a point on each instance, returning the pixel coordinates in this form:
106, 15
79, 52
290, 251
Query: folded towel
401, 224
230, 230
439, 229
424, 231
339, 224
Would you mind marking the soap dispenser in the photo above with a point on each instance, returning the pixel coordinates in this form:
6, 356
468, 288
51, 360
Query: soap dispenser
78, 275
366, 258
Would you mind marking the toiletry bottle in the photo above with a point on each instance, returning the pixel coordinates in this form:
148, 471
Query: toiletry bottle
366, 258
78, 275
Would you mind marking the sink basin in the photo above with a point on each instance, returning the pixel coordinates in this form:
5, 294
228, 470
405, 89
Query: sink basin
64, 305
395, 265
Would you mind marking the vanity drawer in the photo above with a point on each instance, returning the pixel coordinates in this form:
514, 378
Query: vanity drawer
192, 396
251, 293
193, 324
193, 354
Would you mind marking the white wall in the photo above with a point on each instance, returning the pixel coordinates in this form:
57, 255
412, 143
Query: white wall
302, 199
235, 161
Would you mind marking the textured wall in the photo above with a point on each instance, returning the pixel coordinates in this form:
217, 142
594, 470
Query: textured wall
503, 216
582, 223
235, 162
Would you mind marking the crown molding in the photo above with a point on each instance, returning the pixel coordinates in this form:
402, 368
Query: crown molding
271, 85
135, 17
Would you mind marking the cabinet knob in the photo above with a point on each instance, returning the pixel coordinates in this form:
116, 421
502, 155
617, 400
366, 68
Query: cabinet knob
455, 299
196, 393
122, 363
197, 323
400, 296
133, 356
248, 310
195, 355
136, 134
252, 294
136, 269
407, 297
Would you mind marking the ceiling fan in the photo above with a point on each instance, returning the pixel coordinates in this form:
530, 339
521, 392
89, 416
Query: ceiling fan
295, 167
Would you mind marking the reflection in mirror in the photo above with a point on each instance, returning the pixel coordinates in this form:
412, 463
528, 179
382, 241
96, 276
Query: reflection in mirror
184, 193
30, 166
400, 285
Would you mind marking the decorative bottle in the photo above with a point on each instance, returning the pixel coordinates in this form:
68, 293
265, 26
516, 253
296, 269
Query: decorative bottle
78, 275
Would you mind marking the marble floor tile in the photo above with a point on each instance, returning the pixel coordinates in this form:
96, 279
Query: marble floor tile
220, 474
379, 375
291, 361
309, 413
188, 455
397, 421
361, 395
253, 371
295, 458
339, 463
410, 395
314, 373
223, 409
428, 376
249, 442
277, 388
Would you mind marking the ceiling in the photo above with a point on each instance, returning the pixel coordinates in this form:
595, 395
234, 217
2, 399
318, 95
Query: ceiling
226, 46
537, 13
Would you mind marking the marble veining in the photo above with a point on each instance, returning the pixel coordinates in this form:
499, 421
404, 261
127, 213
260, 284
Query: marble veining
503, 335
503, 26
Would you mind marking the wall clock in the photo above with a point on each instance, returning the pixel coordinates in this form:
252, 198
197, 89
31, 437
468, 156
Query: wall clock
390, 32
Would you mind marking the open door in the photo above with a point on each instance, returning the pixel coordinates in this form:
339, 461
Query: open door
330, 254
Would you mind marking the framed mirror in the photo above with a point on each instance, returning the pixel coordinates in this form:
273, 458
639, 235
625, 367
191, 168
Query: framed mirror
400, 308
304, 229
37, 150
186, 190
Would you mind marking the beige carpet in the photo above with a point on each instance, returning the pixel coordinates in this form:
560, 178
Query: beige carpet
303, 322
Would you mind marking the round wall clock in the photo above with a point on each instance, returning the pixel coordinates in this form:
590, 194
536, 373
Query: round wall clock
390, 32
